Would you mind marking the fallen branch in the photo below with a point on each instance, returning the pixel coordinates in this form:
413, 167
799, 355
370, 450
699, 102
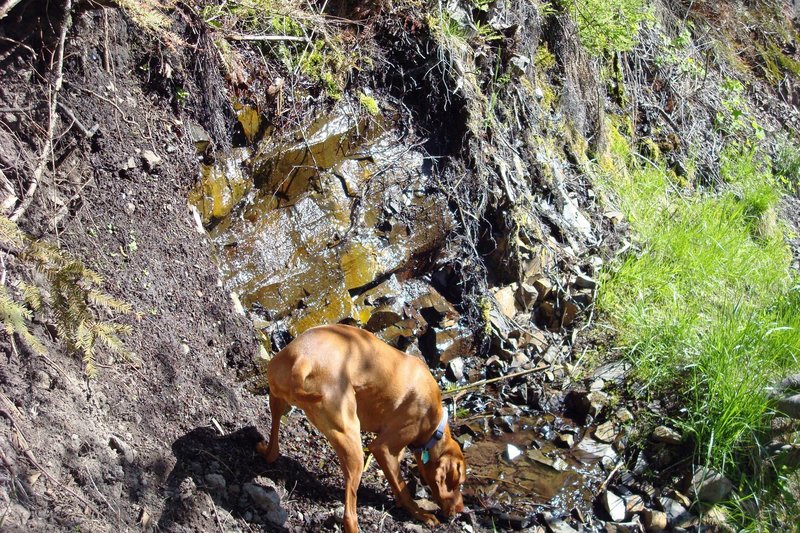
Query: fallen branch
48, 145
87, 132
266, 38
481, 383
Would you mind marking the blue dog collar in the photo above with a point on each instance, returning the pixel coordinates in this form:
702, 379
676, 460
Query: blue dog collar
437, 436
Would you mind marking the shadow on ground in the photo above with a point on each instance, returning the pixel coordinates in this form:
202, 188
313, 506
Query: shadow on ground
223, 475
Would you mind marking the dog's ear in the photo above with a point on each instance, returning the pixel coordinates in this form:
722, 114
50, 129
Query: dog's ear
455, 474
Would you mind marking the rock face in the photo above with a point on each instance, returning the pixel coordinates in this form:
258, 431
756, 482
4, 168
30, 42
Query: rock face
332, 231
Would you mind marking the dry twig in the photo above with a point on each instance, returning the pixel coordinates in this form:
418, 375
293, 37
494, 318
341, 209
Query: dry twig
481, 383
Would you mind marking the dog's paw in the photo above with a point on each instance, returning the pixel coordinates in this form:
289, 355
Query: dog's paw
428, 519
263, 450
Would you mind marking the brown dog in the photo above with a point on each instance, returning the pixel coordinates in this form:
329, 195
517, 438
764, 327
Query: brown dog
347, 381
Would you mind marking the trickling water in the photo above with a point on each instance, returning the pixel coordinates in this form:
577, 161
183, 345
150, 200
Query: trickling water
542, 477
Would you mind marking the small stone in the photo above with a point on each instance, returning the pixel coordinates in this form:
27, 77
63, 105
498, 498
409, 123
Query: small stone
623, 415
605, 433
42, 379
565, 440
185, 348
633, 504
264, 499
676, 513
130, 164
151, 160
538, 93
590, 451
667, 435
198, 136
598, 384
654, 520
543, 286
455, 369
216, 483
585, 282
557, 525
512, 452
122, 447
710, 486
527, 295
614, 505
130, 208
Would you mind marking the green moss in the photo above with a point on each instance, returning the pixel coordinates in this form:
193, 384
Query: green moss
544, 60
369, 103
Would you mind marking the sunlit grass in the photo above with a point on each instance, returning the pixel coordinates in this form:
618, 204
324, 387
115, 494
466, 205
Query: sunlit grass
706, 306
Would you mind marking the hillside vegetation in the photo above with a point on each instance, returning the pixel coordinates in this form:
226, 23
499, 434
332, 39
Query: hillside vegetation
580, 213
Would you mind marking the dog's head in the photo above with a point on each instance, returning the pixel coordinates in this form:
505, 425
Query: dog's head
444, 473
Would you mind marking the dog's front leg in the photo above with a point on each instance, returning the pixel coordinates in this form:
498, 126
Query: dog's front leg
389, 461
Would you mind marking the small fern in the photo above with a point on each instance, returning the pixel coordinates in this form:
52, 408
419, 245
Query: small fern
74, 296
15, 317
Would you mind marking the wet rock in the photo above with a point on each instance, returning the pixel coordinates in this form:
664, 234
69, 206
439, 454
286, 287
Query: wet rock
216, 484
667, 435
199, 137
579, 405
435, 309
590, 451
585, 282
605, 433
633, 526
455, 369
513, 520
556, 463
633, 504
527, 295
710, 486
558, 525
440, 346
221, 186
506, 300
677, 515
531, 337
565, 440
654, 520
512, 452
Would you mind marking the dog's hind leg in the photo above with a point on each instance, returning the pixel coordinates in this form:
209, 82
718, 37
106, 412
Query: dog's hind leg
343, 429
277, 407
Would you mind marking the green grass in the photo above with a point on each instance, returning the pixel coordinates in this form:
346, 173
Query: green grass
706, 307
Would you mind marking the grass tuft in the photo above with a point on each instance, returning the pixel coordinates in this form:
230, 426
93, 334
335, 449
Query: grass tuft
707, 308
